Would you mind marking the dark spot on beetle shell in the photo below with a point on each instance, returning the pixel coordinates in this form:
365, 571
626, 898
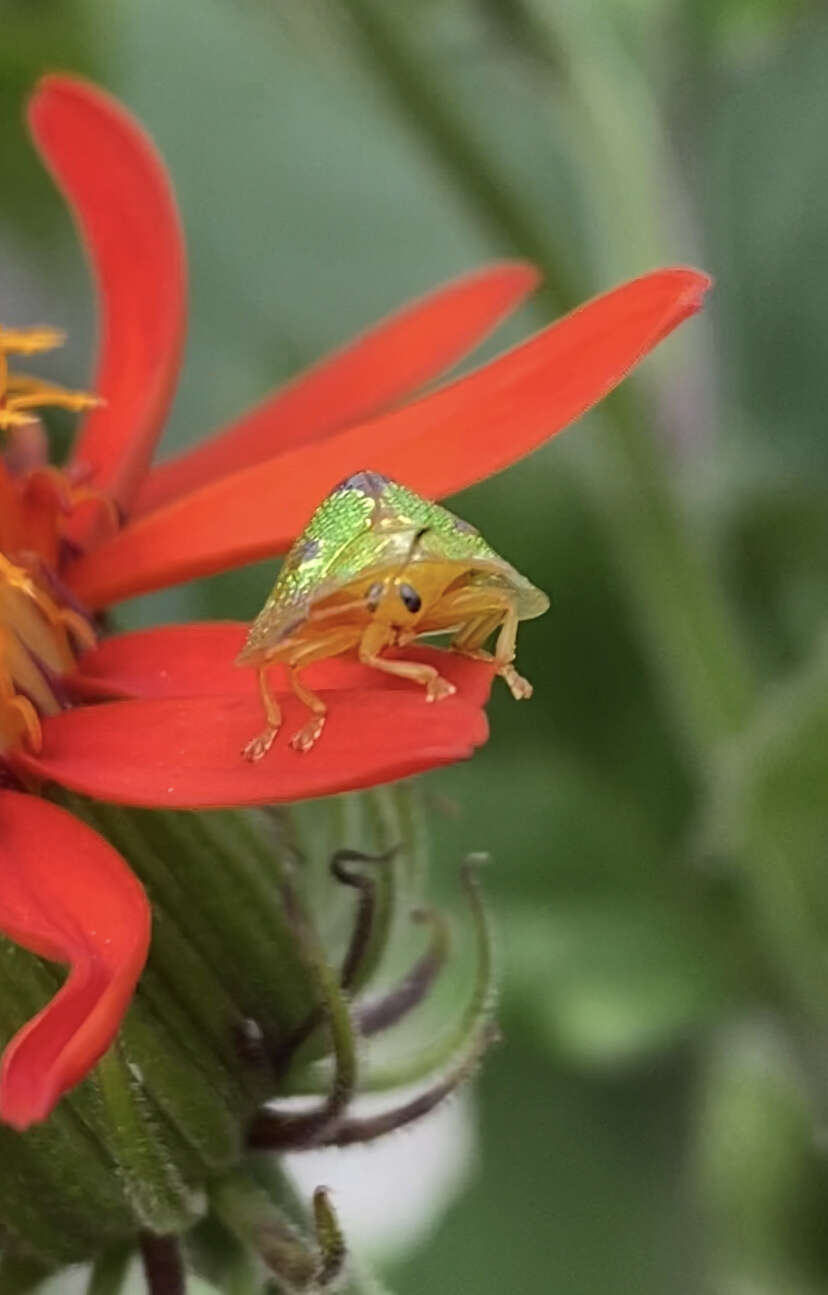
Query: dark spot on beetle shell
308, 549
367, 483
465, 527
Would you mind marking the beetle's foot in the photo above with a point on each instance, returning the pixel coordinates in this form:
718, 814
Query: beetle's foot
258, 747
308, 734
520, 688
438, 688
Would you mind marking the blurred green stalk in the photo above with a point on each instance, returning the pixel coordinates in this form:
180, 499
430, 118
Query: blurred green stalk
693, 642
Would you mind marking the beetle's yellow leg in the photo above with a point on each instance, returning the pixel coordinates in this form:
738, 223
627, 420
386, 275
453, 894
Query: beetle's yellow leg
375, 638
330, 643
334, 641
259, 746
304, 739
470, 638
468, 642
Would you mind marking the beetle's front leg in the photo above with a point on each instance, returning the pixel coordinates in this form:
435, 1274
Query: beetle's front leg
259, 746
375, 638
330, 642
304, 739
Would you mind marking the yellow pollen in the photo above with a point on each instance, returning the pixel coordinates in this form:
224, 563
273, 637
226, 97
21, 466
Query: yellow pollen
39, 641
46, 496
20, 393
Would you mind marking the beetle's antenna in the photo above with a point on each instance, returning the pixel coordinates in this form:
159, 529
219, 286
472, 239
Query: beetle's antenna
417, 540
377, 591
380, 590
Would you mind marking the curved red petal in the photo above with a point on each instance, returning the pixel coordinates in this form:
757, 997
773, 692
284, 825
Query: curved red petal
370, 374
462, 433
197, 660
186, 753
117, 186
66, 895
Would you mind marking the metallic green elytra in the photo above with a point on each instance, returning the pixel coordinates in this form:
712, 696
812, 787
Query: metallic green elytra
366, 525
377, 567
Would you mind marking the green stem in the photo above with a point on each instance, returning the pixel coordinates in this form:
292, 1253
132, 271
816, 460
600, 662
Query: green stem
693, 643
109, 1271
413, 830
219, 1256
695, 647
373, 912
386, 1011
260, 1224
449, 1046
158, 1195
277, 1188
359, 1130
267, 978
301, 1129
200, 1130
18, 1276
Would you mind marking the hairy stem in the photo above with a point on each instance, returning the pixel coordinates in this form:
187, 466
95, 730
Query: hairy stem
386, 1011
272, 1128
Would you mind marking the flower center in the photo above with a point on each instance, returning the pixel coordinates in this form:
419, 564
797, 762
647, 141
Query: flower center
41, 635
40, 640
36, 498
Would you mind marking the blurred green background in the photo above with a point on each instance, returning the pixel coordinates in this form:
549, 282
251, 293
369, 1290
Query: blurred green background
655, 1120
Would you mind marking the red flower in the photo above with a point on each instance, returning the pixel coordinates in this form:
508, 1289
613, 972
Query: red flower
170, 712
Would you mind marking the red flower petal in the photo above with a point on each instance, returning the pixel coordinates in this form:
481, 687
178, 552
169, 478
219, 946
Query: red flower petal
370, 374
66, 895
465, 432
12, 533
116, 184
186, 753
196, 660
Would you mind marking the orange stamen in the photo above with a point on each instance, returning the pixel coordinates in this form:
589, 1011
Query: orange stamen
18, 717
47, 496
21, 392
39, 640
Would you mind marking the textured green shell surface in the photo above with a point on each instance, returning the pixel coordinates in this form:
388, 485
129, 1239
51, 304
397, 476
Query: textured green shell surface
369, 522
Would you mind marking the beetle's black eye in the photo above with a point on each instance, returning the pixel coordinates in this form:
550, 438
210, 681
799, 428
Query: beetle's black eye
411, 598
